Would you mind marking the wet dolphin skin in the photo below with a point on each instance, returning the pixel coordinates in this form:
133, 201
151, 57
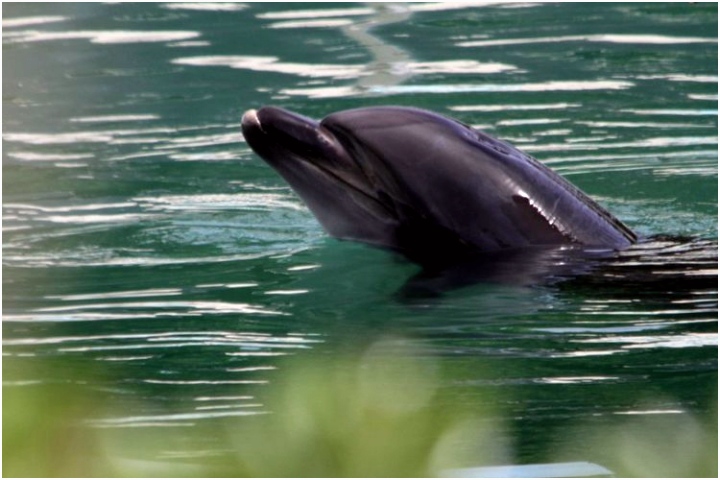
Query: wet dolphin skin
425, 185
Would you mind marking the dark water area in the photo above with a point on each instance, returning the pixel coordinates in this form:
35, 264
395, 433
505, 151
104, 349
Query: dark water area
142, 238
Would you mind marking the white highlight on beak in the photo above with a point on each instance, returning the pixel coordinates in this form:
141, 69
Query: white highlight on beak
251, 116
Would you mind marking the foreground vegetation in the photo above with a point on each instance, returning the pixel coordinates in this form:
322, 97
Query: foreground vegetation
360, 416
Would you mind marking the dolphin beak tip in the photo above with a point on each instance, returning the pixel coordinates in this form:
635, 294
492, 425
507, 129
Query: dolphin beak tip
250, 118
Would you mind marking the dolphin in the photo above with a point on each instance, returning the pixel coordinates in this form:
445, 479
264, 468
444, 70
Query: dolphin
427, 186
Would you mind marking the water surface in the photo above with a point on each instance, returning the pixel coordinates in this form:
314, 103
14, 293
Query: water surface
144, 239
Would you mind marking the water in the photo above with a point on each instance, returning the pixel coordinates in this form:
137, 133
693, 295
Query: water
143, 238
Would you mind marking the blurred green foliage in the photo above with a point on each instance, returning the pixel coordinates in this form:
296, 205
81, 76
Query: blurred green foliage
657, 445
367, 415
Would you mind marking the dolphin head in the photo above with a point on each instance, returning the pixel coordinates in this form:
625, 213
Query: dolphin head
425, 185
318, 167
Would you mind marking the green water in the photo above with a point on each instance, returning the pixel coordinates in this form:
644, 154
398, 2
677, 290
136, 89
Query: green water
143, 239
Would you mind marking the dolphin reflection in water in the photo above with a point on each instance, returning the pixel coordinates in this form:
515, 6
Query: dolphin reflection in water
465, 206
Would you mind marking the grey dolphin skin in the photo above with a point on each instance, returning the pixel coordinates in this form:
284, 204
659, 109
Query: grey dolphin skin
426, 186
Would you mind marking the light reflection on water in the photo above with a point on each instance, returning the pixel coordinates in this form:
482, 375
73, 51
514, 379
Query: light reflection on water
140, 230
607, 38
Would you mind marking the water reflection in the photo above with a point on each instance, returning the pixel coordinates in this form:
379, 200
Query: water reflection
514, 107
272, 64
605, 38
26, 21
102, 37
553, 86
316, 13
206, 6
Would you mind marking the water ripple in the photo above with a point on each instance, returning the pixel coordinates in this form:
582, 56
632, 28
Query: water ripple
315, 13
103, 36
26, 21
514, 107
550, 86
273, 64
247, 201
138, 310
207, 6
603, 38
